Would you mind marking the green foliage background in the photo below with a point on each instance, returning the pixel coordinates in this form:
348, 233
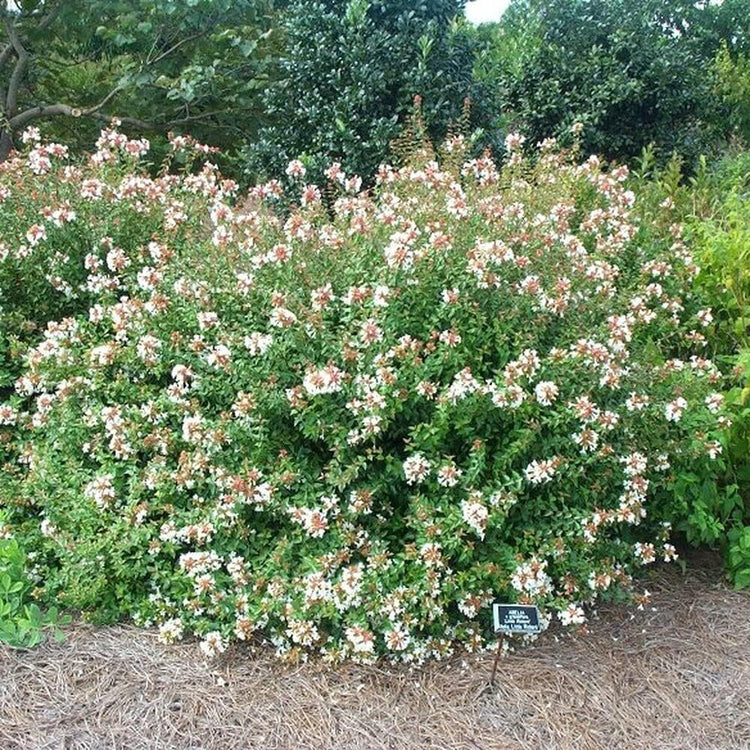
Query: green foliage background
634, 72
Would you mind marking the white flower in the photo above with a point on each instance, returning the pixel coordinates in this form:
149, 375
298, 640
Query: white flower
673, 410
635, 464
329, 379
258, 343
546, 392
588, 440
398, 637
303, 632
315, 522
464, 384
514, 141
540, 472
432, 555
101, 490
416, 469
317, 589
245, 282
362, 640
192, 428
31, 135
8, 415
448, 475
148, 349
296, 168
705, 317
714, 449
282, 318
532, 578
714, 402
148, 277
475, 514
645, 552
636, 402
573, 614
450, 338
36, 234
213, 644
469, 606
207, 320
381, 295
450, 296
171, 630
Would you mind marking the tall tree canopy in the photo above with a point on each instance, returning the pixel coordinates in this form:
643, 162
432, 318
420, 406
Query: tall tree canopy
154, 64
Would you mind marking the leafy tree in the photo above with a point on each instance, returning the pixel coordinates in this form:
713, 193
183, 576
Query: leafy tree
196, 65
634, 71
349, 74
732, 84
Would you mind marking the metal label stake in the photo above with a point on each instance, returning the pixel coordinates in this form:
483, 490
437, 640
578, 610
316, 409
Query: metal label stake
497, 658
512, 618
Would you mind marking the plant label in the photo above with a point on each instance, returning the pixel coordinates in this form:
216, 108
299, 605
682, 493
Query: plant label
516, 618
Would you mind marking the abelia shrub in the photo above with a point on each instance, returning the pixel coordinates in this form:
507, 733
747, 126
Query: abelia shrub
346, 429
60, 241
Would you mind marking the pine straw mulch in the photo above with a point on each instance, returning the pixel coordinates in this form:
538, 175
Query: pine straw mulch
675, 676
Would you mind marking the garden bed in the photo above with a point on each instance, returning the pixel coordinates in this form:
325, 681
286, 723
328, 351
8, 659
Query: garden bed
676, 675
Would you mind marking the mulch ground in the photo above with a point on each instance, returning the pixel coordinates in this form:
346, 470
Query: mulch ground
674, 676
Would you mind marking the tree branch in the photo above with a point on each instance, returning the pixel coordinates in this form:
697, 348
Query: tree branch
15, 120
52, 110
174, 47
5, 54
103, 102
43, 24
11, 94
51, 16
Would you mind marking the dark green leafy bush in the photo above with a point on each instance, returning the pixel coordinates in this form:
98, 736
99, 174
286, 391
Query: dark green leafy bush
348, 76
721, 230
732, 84
633, 71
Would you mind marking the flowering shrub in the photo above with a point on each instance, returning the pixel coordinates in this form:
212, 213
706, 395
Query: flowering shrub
348, 431
713, 510
50, 239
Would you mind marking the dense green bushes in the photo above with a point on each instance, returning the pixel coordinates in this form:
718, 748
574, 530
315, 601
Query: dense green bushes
22, 622
720, 225
666, 72
345, 421
347, 78
348, 432
634, 71
713, 204
731, 76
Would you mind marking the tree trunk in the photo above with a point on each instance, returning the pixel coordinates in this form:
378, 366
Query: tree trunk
6, 144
